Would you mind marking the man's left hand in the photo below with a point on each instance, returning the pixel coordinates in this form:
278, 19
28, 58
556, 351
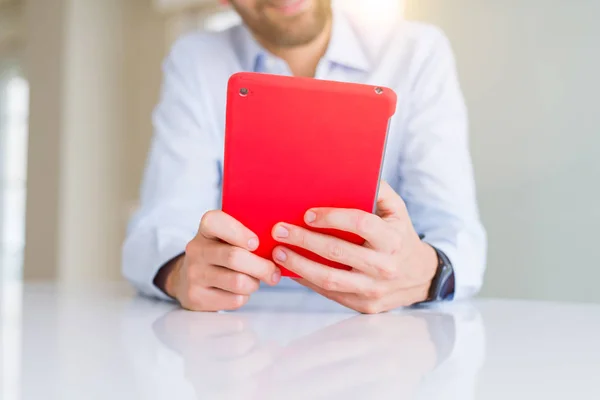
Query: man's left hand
393, 268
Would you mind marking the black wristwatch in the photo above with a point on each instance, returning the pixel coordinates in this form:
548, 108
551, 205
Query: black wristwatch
442, 284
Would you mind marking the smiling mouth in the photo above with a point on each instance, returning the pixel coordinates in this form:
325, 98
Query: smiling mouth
289, 7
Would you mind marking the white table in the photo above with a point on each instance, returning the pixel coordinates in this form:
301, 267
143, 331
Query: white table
105, 343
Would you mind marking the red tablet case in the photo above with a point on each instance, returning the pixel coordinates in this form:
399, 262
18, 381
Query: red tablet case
296, 143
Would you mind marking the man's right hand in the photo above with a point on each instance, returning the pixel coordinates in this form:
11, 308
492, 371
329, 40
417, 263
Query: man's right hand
218, 270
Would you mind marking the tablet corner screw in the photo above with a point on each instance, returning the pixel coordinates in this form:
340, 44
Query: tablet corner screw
243, 92
378, 90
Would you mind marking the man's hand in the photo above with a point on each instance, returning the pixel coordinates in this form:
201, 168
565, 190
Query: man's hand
393, 268
218, 271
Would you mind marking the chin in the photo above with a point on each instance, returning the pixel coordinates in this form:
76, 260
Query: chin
296, 36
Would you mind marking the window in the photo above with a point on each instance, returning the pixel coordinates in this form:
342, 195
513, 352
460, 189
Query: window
13, 163
14, 105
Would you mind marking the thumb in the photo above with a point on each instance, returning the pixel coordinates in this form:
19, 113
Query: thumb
389, 204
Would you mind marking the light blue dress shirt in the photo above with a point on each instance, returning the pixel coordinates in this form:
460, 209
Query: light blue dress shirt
427, 158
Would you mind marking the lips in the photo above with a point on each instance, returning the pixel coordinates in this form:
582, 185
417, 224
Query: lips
289, 7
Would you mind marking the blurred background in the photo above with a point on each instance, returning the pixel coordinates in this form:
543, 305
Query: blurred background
79, 80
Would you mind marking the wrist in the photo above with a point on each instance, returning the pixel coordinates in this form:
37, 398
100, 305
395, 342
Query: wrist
426, 262
429, 261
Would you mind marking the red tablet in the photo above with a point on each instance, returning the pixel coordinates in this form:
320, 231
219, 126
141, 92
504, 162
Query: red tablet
296, 143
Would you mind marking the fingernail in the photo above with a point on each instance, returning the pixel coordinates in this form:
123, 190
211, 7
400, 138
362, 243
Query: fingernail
310, 217
280, 255
281, 232
276, 277
253, 244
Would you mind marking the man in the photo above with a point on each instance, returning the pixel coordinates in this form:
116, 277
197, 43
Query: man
425, 241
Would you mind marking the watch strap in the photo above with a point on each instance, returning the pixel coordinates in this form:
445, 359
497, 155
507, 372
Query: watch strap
443, 283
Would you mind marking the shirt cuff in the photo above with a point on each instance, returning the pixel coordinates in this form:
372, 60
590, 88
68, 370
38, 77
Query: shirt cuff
140, 265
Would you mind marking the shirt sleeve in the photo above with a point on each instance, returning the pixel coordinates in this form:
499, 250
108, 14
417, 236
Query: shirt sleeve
436, 172
182, 177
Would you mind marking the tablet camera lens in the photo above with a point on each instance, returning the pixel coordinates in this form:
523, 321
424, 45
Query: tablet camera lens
378, 90
243, 92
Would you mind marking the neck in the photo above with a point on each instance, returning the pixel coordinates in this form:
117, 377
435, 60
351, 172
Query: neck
303, 60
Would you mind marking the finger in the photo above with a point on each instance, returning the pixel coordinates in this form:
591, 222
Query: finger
350, 300
219, 225
366, 225
389, 203
328, 278
331, 248
212, 299
230, 280
240, 260
369, 304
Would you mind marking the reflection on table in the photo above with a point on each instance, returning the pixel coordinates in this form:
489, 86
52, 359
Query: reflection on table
327, 353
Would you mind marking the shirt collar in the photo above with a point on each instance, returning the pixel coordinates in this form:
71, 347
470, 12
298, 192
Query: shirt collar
247, 48
345, 47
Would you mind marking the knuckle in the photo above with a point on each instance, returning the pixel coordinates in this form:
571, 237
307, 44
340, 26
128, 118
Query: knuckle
192, 247
370, 265
292, 260
388, 271
335, 251
187, 305
330, 282
363, 223
238, 301
374, 293
239, 282
234, 256
300, 237
253, 285
266, 274
192, 297
191, 274
369, 308
207, 219
327, 217
236, 231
